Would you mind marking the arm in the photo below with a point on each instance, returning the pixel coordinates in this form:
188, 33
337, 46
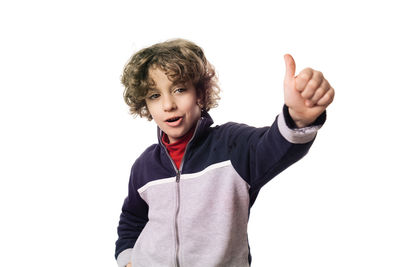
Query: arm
265, 152
132, 221
259, 154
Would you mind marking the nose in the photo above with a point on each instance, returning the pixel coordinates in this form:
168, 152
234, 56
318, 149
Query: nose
168, 103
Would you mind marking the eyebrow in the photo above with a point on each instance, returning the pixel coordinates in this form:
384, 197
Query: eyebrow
177, 83
153, 89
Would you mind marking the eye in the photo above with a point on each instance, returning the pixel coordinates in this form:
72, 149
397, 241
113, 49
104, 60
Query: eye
154, 96
180, 90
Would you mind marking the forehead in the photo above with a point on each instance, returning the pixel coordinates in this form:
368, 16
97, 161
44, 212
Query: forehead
159, 78
158, 75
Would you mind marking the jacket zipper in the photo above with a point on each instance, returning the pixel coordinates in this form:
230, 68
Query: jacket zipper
177, 180
177, 190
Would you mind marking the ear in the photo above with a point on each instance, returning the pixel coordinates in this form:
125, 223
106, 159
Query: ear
200, 103
199, 100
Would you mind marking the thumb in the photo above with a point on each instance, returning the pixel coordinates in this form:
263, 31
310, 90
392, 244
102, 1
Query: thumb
290, 66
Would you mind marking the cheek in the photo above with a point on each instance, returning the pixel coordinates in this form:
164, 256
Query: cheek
152, 110
196, 111
192, 104
192, 107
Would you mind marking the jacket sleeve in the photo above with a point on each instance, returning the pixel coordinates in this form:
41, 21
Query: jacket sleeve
260, 154
132, 221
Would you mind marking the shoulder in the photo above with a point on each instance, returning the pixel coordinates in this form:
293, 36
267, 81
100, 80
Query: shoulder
152, 164
147, 155
141, 164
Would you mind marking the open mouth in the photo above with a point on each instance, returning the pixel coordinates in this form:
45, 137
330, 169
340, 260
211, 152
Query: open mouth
173, 119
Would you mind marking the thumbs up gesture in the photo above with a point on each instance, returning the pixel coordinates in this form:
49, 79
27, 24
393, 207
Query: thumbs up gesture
307, 95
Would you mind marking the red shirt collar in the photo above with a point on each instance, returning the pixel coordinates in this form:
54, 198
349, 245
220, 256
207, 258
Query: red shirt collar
177, 149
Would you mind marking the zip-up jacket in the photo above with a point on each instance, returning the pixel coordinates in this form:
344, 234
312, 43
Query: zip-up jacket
197, 215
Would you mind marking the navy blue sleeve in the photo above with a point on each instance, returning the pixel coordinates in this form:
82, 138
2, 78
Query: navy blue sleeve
133, 218
259, 154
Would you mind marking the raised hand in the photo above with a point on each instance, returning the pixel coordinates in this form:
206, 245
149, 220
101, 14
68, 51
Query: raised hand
307, 95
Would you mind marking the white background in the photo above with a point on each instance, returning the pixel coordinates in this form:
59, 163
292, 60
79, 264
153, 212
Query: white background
67, 141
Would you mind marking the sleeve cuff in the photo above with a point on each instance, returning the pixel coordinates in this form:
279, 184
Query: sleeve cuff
288, 129
124, 257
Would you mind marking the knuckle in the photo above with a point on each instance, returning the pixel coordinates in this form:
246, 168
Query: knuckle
306, 74
307, 94
331, 93
319, 76
303, 77
328, 97
309, 70
318, 94
313, 84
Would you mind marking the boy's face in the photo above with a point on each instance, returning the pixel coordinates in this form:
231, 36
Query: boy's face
174, 107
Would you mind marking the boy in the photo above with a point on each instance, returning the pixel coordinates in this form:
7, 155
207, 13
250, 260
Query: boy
190, 195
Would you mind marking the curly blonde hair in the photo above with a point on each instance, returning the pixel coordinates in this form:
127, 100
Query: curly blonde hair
182, 61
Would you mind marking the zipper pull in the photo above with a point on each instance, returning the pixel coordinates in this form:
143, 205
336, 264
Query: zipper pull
178, 176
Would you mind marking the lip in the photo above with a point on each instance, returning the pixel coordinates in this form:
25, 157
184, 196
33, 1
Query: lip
174, 123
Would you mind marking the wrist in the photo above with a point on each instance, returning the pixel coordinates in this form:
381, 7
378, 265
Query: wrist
298, 119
